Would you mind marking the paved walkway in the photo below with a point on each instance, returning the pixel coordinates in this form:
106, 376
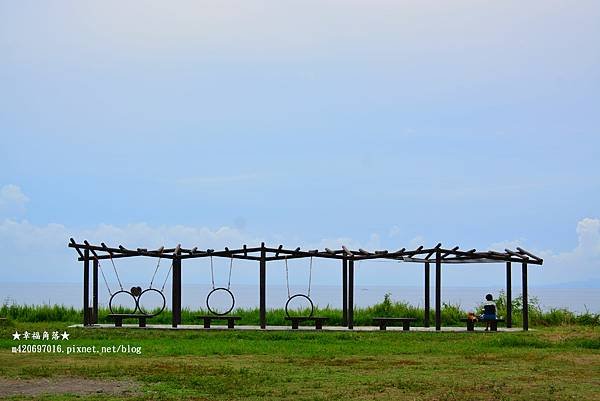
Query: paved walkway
288, 328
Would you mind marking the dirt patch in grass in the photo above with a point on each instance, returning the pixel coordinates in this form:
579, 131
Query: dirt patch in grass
65, 385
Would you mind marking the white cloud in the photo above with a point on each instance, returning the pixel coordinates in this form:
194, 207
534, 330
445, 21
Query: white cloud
502, 245
12, 200
40, 253
579, 264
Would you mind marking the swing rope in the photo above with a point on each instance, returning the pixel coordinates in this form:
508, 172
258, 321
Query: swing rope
166, 278
157, 266
115, 269
212, 273
309, 276
104, 277
287, 277
230, 268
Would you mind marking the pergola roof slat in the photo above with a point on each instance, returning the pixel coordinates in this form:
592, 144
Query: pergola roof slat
454, 255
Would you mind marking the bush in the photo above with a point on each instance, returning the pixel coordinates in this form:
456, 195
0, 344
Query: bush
451, 314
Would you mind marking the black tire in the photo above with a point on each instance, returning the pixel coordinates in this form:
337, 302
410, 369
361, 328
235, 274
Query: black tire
221, 313
312, 306
110, 306
164, 300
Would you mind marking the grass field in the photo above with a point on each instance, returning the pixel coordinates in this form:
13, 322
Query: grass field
546, 364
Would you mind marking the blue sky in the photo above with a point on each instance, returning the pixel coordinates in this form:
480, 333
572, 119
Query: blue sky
379, 124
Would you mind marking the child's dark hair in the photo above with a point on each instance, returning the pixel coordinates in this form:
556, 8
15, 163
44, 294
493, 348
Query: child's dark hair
489, 297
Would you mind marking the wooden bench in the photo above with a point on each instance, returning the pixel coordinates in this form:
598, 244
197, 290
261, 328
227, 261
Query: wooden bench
297, 319
471, 323
383, 322
119, 317
209, 318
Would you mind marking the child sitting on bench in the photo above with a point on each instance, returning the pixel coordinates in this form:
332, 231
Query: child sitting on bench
489, 311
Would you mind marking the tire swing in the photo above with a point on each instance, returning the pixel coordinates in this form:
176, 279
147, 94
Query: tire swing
299, 295
139, 293
136, 293
113, 295
220, 290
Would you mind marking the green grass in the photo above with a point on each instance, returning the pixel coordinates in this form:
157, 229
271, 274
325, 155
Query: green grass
451, 314
547, 364
551, 363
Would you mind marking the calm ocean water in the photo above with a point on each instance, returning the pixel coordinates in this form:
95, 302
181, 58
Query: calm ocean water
194, 296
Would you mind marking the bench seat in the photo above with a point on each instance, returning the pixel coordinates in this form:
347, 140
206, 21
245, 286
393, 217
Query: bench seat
119, 317
471, 323
297, 319
383, 322
209, 318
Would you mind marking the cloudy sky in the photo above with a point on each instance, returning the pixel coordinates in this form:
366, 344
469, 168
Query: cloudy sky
379, 124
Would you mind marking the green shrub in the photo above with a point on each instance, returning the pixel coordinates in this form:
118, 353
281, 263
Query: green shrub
451, 314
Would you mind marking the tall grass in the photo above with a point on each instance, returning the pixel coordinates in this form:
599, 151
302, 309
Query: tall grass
451, 314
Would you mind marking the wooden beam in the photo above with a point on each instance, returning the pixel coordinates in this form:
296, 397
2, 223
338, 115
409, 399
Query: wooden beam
351, 294
344, 292
438, 291
446, 253
73, 244
518, 255
176, 290
508, 294
95, 291
457, 261
86, 287
434, 250
263, 288
525, 297
427, 295
529, 254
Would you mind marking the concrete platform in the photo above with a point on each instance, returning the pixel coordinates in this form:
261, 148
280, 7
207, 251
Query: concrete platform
288, 328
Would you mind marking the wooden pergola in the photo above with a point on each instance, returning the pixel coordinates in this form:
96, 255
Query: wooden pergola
262, 254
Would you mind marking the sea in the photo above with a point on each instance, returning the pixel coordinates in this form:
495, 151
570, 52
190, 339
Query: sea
579, 300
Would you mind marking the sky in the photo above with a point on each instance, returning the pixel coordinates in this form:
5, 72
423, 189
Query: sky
379, 124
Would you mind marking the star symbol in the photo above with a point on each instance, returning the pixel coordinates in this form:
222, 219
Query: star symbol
65, 335
16, 336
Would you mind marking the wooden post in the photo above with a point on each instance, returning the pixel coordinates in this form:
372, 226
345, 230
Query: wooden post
86, 287
344, 292
438, 291
263, 287
427, 294
351, 294
525, 298
176, 292
95, 291
508, 295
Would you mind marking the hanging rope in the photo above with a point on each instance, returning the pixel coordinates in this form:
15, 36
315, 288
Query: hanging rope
212, 273
230, 268
166, 278
157, 266
115, 269
104, 277
309, 276
287, 278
